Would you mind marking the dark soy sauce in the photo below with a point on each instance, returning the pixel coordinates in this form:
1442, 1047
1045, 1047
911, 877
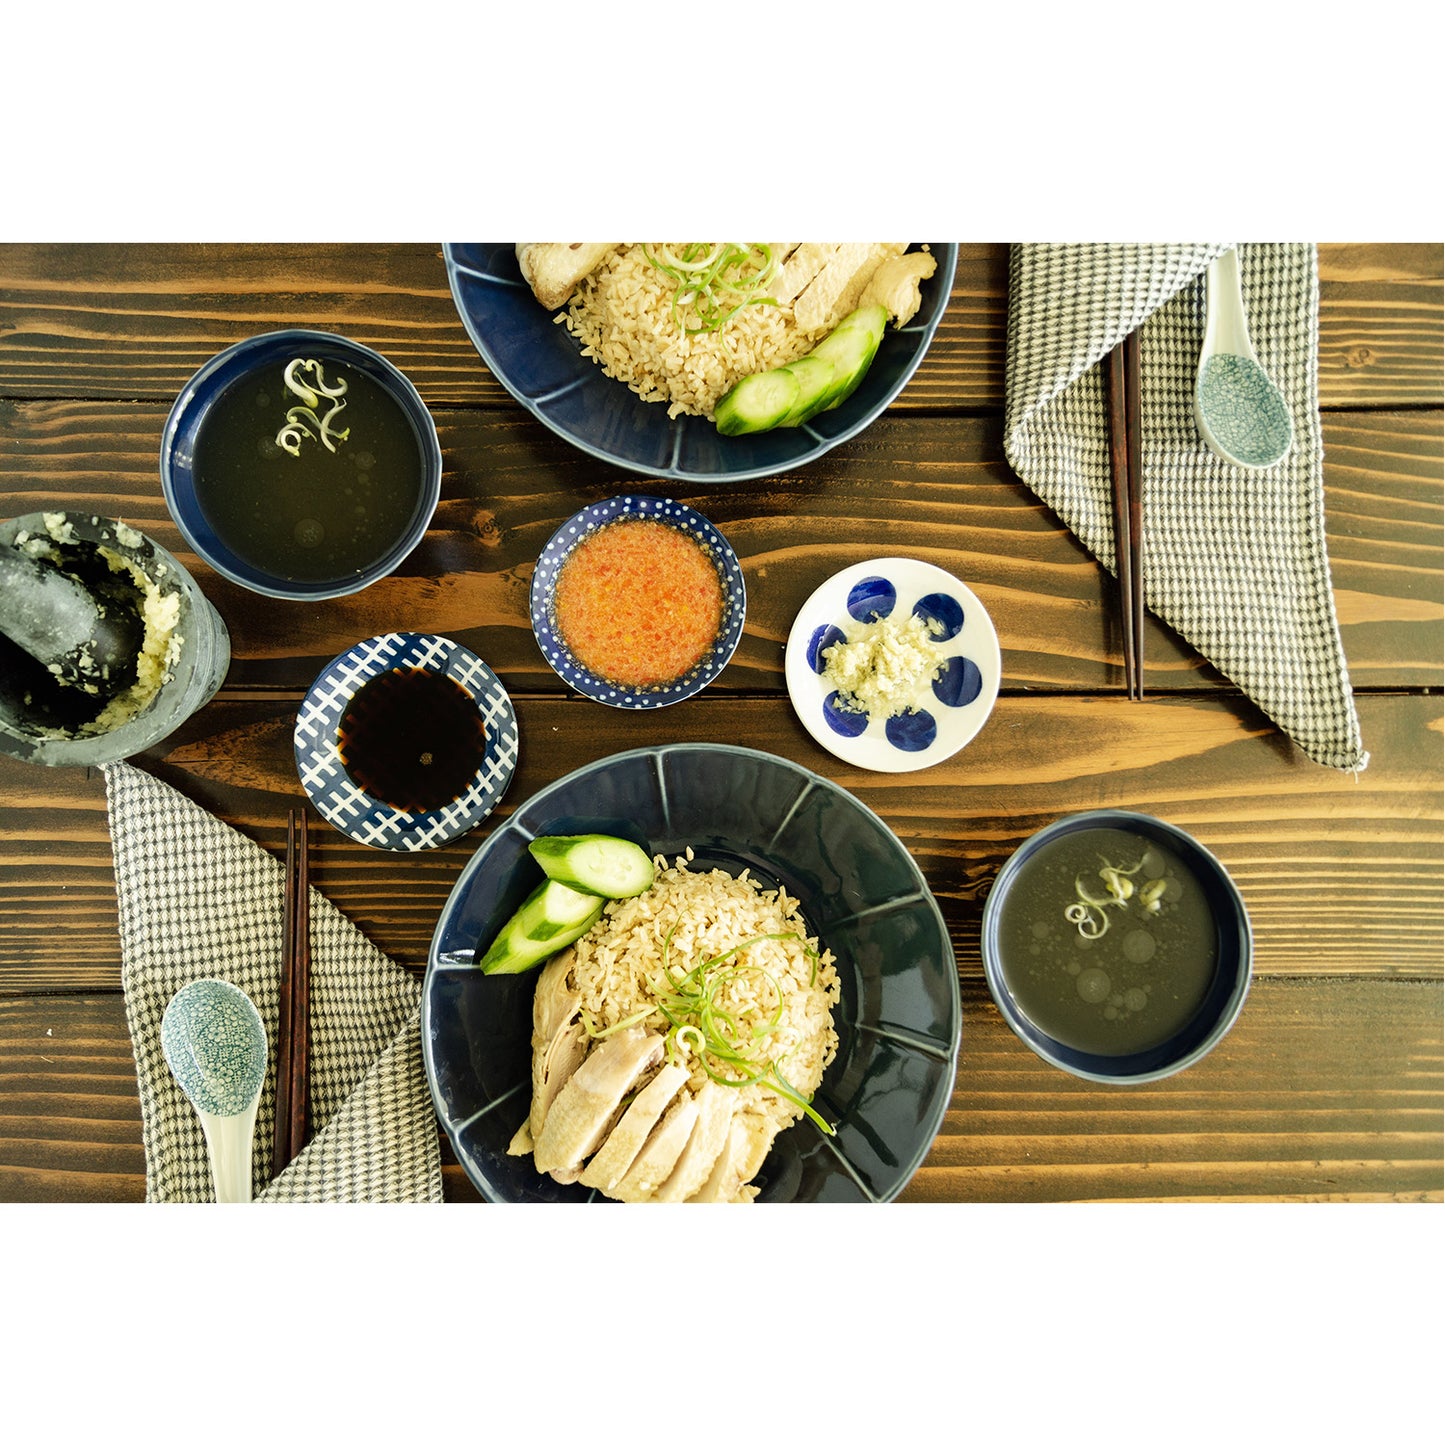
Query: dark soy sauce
321, 516
413, 739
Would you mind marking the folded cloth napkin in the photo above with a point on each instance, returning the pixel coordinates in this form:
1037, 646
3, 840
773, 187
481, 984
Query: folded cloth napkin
198, 900
1234, 560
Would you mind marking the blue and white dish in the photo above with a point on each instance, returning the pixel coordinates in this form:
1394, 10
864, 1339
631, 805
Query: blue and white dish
1222, 1001
229, 367
947, 715
670, 514
541, 364
899, 1018
347, 806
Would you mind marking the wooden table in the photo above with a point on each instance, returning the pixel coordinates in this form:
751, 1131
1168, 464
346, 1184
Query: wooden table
1329, 1086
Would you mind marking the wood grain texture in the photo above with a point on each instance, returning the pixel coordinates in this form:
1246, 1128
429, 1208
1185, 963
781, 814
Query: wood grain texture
1321, 1091
1340, 876
936, 488
1324, 1089
136, 321
1328, 1088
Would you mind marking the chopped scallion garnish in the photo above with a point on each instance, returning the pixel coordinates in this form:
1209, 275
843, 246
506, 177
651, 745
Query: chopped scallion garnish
300, 418
728, 1046
713, 282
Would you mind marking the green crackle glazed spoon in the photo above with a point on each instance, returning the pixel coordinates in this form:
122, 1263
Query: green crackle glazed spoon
1237, 408
215, 1044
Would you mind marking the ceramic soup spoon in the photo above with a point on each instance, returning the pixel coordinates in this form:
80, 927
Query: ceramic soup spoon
215, 1044
1237, 408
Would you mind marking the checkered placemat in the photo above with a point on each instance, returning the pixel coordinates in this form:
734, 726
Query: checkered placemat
199, 900
1234, 560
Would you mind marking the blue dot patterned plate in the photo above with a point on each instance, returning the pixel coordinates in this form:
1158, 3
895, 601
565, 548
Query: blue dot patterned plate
945, 714
346, 805
653, 509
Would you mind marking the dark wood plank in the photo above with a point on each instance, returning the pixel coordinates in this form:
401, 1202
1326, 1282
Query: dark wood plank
1340, 876
1321, 1091
1325, 1089
70, 1123
937, 488
135, 321
1380, 331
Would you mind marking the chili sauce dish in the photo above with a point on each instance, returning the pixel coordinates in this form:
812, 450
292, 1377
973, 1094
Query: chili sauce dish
406, 741
638, 602
1117, 947
893, 665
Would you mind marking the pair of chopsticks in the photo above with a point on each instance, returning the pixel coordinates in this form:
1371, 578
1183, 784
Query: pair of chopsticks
1126, 468
293, 1064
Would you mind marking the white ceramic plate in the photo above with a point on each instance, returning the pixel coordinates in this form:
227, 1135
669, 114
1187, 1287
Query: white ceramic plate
947, 714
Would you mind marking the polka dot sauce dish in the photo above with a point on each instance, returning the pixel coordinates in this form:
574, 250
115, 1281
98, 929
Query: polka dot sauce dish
893, 665
638, 602
406, 741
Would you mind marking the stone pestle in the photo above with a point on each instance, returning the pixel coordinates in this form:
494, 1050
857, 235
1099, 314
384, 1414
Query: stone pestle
87, 636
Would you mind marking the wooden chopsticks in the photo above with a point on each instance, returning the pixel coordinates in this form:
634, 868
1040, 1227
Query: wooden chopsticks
293, 1063
1126, 468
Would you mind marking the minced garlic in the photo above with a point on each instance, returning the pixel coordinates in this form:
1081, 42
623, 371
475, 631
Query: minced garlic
883, 666
160, 648
160, 610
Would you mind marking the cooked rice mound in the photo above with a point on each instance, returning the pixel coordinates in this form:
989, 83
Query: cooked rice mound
708, 914
622, 315
643, 1106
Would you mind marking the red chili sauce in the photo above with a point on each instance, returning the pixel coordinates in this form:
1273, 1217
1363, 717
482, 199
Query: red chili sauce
638, 603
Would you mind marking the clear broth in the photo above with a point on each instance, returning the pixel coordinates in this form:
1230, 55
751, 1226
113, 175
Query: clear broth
1136, 985
318, 517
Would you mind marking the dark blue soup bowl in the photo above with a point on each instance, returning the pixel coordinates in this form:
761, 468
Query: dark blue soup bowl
1224, 996
542, 365
860, 891
230, 368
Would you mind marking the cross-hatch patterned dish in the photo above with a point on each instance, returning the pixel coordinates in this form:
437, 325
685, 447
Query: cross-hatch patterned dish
336, 794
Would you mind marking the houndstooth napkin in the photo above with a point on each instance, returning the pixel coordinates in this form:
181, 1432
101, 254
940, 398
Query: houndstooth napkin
198, 900
1234, 560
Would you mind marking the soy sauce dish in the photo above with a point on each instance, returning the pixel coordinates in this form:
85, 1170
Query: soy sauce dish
1117, 947
406, 741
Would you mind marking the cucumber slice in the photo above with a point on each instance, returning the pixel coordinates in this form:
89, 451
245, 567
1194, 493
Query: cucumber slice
595, 863
757, 403
552, 916
850, 347
815, 381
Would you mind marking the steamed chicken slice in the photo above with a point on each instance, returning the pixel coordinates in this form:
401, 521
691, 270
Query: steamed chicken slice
750, 1136
553, 268
835, 290
559, 1039
804, 262
750, 1151
629, 1133
894, 285
592, 1099
657, 1158
716, 1103
559, 1043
